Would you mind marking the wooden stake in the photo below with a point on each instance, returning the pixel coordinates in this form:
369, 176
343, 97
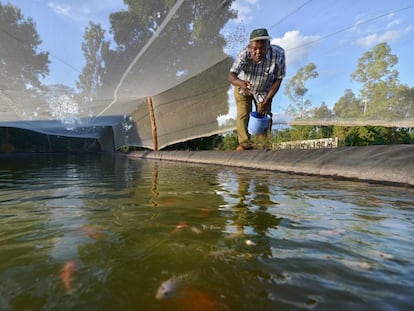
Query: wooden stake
153, 123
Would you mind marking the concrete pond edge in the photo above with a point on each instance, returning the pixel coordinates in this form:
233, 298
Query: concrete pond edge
392, 164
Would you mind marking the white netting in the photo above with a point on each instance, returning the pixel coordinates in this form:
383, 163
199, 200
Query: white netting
164, 76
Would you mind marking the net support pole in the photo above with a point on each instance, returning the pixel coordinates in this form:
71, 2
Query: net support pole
153, 123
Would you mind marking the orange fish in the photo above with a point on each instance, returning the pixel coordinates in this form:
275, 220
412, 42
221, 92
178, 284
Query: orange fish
205, 212
192, 298
182, 225
67, 273
92, 232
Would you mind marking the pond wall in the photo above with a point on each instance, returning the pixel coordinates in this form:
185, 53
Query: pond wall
386, 164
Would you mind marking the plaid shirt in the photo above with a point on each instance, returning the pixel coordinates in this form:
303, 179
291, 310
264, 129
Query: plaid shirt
261, 75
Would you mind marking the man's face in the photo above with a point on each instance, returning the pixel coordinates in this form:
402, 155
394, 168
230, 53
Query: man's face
258, 50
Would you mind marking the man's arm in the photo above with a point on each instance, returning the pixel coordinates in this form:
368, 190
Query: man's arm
243, 85
266, 106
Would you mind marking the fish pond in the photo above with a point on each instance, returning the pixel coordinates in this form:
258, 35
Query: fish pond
103, 232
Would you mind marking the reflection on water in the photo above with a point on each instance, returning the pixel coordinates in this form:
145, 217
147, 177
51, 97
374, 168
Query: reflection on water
105, 233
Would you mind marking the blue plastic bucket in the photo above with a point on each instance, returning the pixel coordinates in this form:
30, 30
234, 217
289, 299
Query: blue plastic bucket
257, 123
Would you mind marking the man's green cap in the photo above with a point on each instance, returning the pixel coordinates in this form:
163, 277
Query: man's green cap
259, 34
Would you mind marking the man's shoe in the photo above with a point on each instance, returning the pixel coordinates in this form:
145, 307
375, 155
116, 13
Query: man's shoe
241, 148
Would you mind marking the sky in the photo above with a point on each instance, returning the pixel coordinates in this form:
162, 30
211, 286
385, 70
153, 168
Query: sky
332, 34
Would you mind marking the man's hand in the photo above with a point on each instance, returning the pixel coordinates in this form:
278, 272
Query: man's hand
245, 87
263, 108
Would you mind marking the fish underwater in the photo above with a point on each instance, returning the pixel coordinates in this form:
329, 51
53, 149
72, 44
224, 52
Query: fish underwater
170, 287
182, 225
91, 231
250, 243
66, 274
195, 298
178, 293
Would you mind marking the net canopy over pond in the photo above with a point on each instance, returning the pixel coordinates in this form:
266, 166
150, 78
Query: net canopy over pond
158, 76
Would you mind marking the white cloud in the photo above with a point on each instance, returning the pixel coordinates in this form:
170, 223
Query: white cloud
408, 29
371, 34
60, 9
99, 6
388, 36
244, 9
222, 119
391, 35
87, 8
368, 40
393, 23
81, 12
297, 46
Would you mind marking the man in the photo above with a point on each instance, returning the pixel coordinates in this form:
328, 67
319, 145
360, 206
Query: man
256, 74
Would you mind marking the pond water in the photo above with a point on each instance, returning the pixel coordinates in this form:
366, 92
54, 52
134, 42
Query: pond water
109, 233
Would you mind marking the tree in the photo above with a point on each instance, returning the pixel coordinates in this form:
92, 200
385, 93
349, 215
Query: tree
348, 106
323, 112
405, 102
379, 81
63, 104
94, 49
296, 90
21, 66
182, 49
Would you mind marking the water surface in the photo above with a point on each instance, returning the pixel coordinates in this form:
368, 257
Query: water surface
103, 233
